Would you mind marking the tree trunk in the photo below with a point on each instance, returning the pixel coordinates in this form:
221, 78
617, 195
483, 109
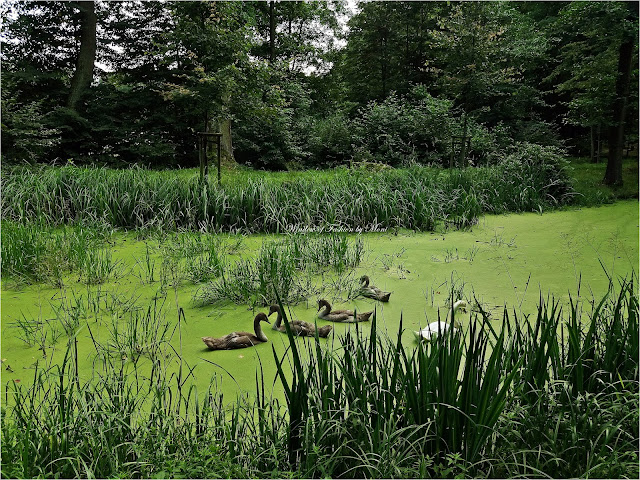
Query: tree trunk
224, 127
463, 146
272, 33
383, 64
599, 144
592, 143
613, 175
226, 145
83, 74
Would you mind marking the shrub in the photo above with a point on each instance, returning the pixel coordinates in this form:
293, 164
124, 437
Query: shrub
26, 134
401, 131
418, 128
330, 140
530, 164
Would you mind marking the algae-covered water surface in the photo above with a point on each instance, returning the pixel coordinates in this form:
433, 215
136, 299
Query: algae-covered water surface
503, 261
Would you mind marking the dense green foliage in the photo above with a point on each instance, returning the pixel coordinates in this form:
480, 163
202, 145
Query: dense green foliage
479, 403
311, 83
401, 98
36, 253
532, 178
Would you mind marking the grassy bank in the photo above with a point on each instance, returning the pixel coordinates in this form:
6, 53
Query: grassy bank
556, 397
587, 182
358, 199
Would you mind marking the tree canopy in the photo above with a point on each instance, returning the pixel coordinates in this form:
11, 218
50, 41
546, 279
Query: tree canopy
304, 84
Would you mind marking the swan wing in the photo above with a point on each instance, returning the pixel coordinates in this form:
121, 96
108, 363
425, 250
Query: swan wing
342, 312
241, 341
340, 317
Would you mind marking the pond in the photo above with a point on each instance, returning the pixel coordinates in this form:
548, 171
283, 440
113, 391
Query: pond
503, 261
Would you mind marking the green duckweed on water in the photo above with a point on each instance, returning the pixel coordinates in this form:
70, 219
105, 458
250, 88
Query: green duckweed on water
503, 261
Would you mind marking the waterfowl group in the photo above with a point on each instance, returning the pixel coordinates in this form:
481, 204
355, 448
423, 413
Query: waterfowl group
371, 291
298, 327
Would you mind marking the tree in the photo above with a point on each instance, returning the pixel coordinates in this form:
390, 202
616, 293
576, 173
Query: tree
294, 35
205, 52
83, 74
480, 54
388, 49
40, 55
598, 43
613, 174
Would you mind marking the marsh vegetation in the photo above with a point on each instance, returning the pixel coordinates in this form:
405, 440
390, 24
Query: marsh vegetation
468, 404
114, 358
380, 165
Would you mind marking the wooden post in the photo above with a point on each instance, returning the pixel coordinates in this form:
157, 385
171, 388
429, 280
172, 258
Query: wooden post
453, 149
219, 140
203, 138
200, 157
205, 141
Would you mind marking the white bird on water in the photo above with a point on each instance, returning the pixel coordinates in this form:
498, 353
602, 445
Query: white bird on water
439, 327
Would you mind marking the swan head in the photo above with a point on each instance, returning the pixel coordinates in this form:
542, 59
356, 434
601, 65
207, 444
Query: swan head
323, 304
273, 309
460, 305
365, 280
261, 317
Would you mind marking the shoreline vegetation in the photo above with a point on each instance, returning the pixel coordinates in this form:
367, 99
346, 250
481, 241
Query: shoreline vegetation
555, 394
338, 200
420, 198
490, 403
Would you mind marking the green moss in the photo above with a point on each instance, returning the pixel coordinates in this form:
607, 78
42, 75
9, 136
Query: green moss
502, 261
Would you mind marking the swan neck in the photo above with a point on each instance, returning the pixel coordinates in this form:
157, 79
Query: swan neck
278, 322
258, 329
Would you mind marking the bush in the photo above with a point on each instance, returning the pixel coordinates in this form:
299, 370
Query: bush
330, 141
269, 122
545, 166
25, 133
419, 128
400, 131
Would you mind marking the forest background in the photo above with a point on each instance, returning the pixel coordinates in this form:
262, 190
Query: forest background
313, 84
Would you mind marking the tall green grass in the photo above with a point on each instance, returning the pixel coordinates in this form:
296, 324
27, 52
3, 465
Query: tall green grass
289, 266
417, 198
523, 400
38, 252
138, 334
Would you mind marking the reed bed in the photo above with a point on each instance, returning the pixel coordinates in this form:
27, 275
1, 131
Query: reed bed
139, 334
354, 200
555, 396
289, 266
40, 252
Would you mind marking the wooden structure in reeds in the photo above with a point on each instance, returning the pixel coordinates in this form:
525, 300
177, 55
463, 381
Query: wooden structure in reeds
203, 142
